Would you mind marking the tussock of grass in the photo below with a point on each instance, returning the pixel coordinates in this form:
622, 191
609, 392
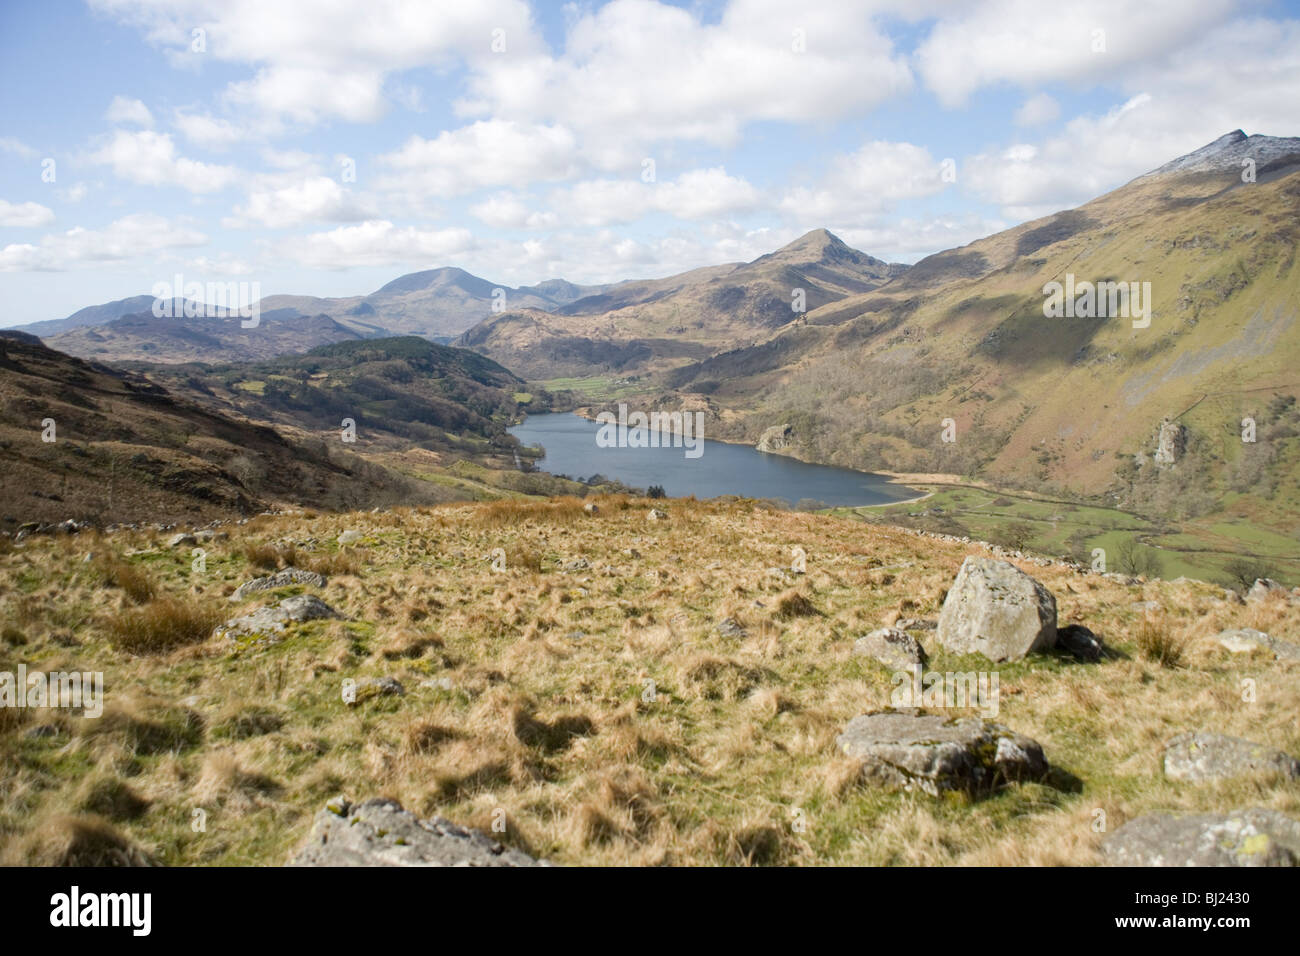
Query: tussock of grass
1157, 642
117, 573
163, 625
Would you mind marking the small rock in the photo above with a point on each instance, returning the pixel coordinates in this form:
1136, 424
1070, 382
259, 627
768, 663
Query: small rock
1144, 606
916, 624
349, 537
1199, 757
656, 515
369, 687
893, 647
380, 833
904, 749
578, 564
730, 627
1080, 642
1264, 588
42, 731
180, 540
591, 508
1254, 837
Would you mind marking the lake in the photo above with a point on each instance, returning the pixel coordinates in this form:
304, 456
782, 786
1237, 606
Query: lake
722, 468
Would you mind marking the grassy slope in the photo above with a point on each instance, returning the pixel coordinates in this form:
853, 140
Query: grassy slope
551, 726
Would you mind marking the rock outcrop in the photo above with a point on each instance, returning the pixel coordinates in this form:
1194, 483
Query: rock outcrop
776, 440
892, 647
380, 833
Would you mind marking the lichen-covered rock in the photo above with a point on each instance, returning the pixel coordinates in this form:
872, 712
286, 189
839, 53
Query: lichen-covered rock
380, 833
905, 749
995, 609
282, 578
1199, 757
1241, 640
371, 687
892, 647
268, 624
1254, 837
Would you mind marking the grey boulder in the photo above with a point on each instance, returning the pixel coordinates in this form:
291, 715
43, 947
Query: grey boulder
268, 624
380, 833
1200, 757
905, 749
995, 609
892, 647
1254, 837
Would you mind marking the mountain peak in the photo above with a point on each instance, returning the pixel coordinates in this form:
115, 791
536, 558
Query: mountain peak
1230, 150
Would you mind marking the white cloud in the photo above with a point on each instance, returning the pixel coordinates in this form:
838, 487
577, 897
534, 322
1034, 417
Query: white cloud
376, 242
9, 144
1174, 107
315, 61
150, 158
486, 153
635, 72
24, 215
1028, 43
867, 182
509, 211
122, 239
210, 132
696, 194
318, 199
1037, 110
124, 110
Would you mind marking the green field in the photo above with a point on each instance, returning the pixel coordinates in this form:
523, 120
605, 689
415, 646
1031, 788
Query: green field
1196, 548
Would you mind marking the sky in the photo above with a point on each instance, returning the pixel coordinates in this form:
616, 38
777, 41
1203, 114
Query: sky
325, 148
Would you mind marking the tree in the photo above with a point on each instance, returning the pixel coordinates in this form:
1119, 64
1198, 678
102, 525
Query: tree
656, 491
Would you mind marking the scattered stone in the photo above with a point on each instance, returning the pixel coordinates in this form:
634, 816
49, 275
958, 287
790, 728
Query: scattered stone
181, 540
893, 647
1265, 588
905, 749
267, 624
1200, 757
281, 579
1254, 837
349, 537
656, 515
1080, 642
370, 687
995, 609
730, 627
1242, 640
380, 833
578, 564
591, 508
916, 624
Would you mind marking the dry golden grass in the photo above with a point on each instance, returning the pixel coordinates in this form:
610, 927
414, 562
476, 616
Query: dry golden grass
599, 711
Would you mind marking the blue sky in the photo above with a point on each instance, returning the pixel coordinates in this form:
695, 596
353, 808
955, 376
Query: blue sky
512, 139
